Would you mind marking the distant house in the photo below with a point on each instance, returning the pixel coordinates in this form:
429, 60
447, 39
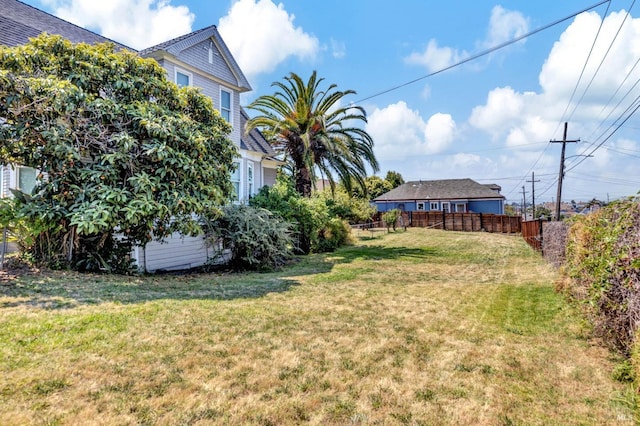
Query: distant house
200, 59
449, 196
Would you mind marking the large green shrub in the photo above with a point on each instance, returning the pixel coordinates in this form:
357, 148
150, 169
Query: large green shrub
602, 271
249, 238
125, 155
314, 227
391, 217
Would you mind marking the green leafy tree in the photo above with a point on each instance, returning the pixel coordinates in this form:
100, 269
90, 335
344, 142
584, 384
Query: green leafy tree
307, 125
121, 150
377, 186
395, 179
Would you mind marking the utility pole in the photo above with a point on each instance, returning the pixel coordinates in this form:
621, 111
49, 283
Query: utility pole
564, 142
533, 193
524, 204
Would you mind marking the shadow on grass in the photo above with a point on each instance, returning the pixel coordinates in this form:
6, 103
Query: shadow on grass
349, 254
66, 290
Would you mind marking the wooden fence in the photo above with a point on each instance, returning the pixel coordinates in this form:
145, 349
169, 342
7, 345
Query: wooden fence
532, 233
469, 222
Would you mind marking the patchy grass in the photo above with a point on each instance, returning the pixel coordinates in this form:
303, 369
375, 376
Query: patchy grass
416, 327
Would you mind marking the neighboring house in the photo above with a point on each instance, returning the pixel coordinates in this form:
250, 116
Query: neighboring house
200, 59
449, 196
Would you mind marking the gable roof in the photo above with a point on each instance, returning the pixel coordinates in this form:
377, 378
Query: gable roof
254, 140
439, 190
19, 22
177, 45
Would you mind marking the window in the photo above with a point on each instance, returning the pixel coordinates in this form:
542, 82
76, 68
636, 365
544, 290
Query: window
446, 207
461, 208
225, 104
235, 181
210, 54
26, 179
183, 78
434, 206
420, 206
250, 178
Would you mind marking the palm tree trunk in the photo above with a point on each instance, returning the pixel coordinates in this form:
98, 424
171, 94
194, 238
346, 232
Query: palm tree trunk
303, 182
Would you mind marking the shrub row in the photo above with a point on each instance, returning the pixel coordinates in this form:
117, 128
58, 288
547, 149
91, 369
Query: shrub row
602, 272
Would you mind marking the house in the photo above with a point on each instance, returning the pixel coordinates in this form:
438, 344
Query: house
200, 59
449, 196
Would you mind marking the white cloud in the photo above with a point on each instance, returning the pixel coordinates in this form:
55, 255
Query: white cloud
338, 49
566, 60
435, 58
524, 117
399, 132
262, 35
135, 23
439, 132
504, 25
502, 107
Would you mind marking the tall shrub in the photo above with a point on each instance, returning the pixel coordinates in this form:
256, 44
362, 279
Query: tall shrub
252, 238
603, 271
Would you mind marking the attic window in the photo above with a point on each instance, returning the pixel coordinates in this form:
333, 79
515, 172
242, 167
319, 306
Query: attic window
210, 54
183, 78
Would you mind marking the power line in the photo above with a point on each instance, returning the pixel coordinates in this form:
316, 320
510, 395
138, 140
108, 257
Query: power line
584, 67
604, 57
484, 52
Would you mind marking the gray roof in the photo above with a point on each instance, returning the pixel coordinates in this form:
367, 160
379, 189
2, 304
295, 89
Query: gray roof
447, 189
19, 22
254, 140
178, 44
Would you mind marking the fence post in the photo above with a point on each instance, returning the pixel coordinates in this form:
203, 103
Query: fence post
4, 246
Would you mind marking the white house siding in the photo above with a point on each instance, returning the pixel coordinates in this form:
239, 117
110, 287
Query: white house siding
4, 181
210, 88
176, 253
198, 57
269, 176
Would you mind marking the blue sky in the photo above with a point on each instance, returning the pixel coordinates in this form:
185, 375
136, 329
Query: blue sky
490, 119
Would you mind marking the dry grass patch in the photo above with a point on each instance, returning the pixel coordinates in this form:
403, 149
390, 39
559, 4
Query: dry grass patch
416, 327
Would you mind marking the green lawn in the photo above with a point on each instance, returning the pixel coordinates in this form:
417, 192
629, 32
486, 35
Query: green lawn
416, 327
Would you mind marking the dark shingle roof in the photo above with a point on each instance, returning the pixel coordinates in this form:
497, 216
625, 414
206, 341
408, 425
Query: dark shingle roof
174, 41
254, 140
19, 22
440, 190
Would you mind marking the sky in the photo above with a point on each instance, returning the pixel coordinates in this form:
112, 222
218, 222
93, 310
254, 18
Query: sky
437, 107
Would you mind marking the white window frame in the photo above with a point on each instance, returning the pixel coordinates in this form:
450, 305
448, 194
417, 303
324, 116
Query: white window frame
210, 53
35, 180
446, 207
230, 109
239, 180
420, 206
250, 178
434, 206
177, 71
461, 210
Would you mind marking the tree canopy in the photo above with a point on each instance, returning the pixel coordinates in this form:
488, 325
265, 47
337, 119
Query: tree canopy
317, 137
120, 149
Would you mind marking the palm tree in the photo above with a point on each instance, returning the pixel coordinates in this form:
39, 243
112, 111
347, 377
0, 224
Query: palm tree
314, 133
